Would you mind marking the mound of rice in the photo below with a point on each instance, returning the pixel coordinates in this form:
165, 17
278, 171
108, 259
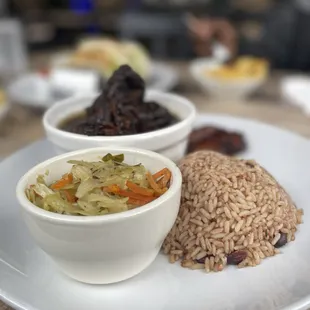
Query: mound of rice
232, 212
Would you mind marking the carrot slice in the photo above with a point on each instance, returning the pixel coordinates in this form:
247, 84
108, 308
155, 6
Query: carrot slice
136, 202
135, 196
162, 192
159, 174
160, 182
153, 184
166, 178
115, 189
69, 196
139, 190
112, 189
66, 179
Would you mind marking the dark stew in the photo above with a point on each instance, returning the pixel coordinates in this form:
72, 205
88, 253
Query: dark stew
120, 109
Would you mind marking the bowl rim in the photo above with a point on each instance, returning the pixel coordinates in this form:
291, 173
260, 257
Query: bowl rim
95, 219
180, 100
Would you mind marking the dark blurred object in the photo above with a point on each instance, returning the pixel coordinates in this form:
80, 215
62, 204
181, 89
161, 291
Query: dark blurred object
121, 109
62, 22
39, 32
216, 139
252, 6
36, 19
159, 29
205, 31
3, 8
199, 7
109, 4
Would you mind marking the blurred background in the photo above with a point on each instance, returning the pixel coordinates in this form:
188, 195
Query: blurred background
57, 23
160, 24
240, 57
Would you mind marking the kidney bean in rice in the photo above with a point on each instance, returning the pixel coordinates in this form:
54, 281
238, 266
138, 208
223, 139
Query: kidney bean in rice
232, 212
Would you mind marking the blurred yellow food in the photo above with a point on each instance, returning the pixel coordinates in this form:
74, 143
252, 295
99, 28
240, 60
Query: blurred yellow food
2, 97
242, 68
106, 55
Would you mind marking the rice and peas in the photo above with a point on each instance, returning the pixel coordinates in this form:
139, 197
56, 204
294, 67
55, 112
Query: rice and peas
232, 212
98, 188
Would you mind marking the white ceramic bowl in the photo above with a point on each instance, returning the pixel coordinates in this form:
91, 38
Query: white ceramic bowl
109, 248
170, 141
295, 90
230, 90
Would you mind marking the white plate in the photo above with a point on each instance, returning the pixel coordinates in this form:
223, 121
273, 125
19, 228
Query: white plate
29, 280
34, 90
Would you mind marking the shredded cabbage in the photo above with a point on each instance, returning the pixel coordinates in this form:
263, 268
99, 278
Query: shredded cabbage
93, 188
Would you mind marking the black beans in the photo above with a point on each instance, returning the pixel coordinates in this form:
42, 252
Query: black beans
201, 260
282, 241
236, 257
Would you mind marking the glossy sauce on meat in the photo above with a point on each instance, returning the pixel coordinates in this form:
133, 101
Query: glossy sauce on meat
120, 110
216, 139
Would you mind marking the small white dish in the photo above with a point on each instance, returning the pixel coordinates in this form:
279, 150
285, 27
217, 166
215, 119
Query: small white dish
296, 90
109, 248
224, 90
29, 280
72, 81
34, 90
170, 141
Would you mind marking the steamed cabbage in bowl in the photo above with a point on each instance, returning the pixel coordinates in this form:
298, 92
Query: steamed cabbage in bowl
98, 188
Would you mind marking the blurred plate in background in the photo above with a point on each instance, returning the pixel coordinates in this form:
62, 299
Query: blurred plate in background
163, 77
41, 91
33, 90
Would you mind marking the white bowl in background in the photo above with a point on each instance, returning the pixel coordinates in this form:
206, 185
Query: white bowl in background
170, 141
109, 248
224, 90
295, 90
